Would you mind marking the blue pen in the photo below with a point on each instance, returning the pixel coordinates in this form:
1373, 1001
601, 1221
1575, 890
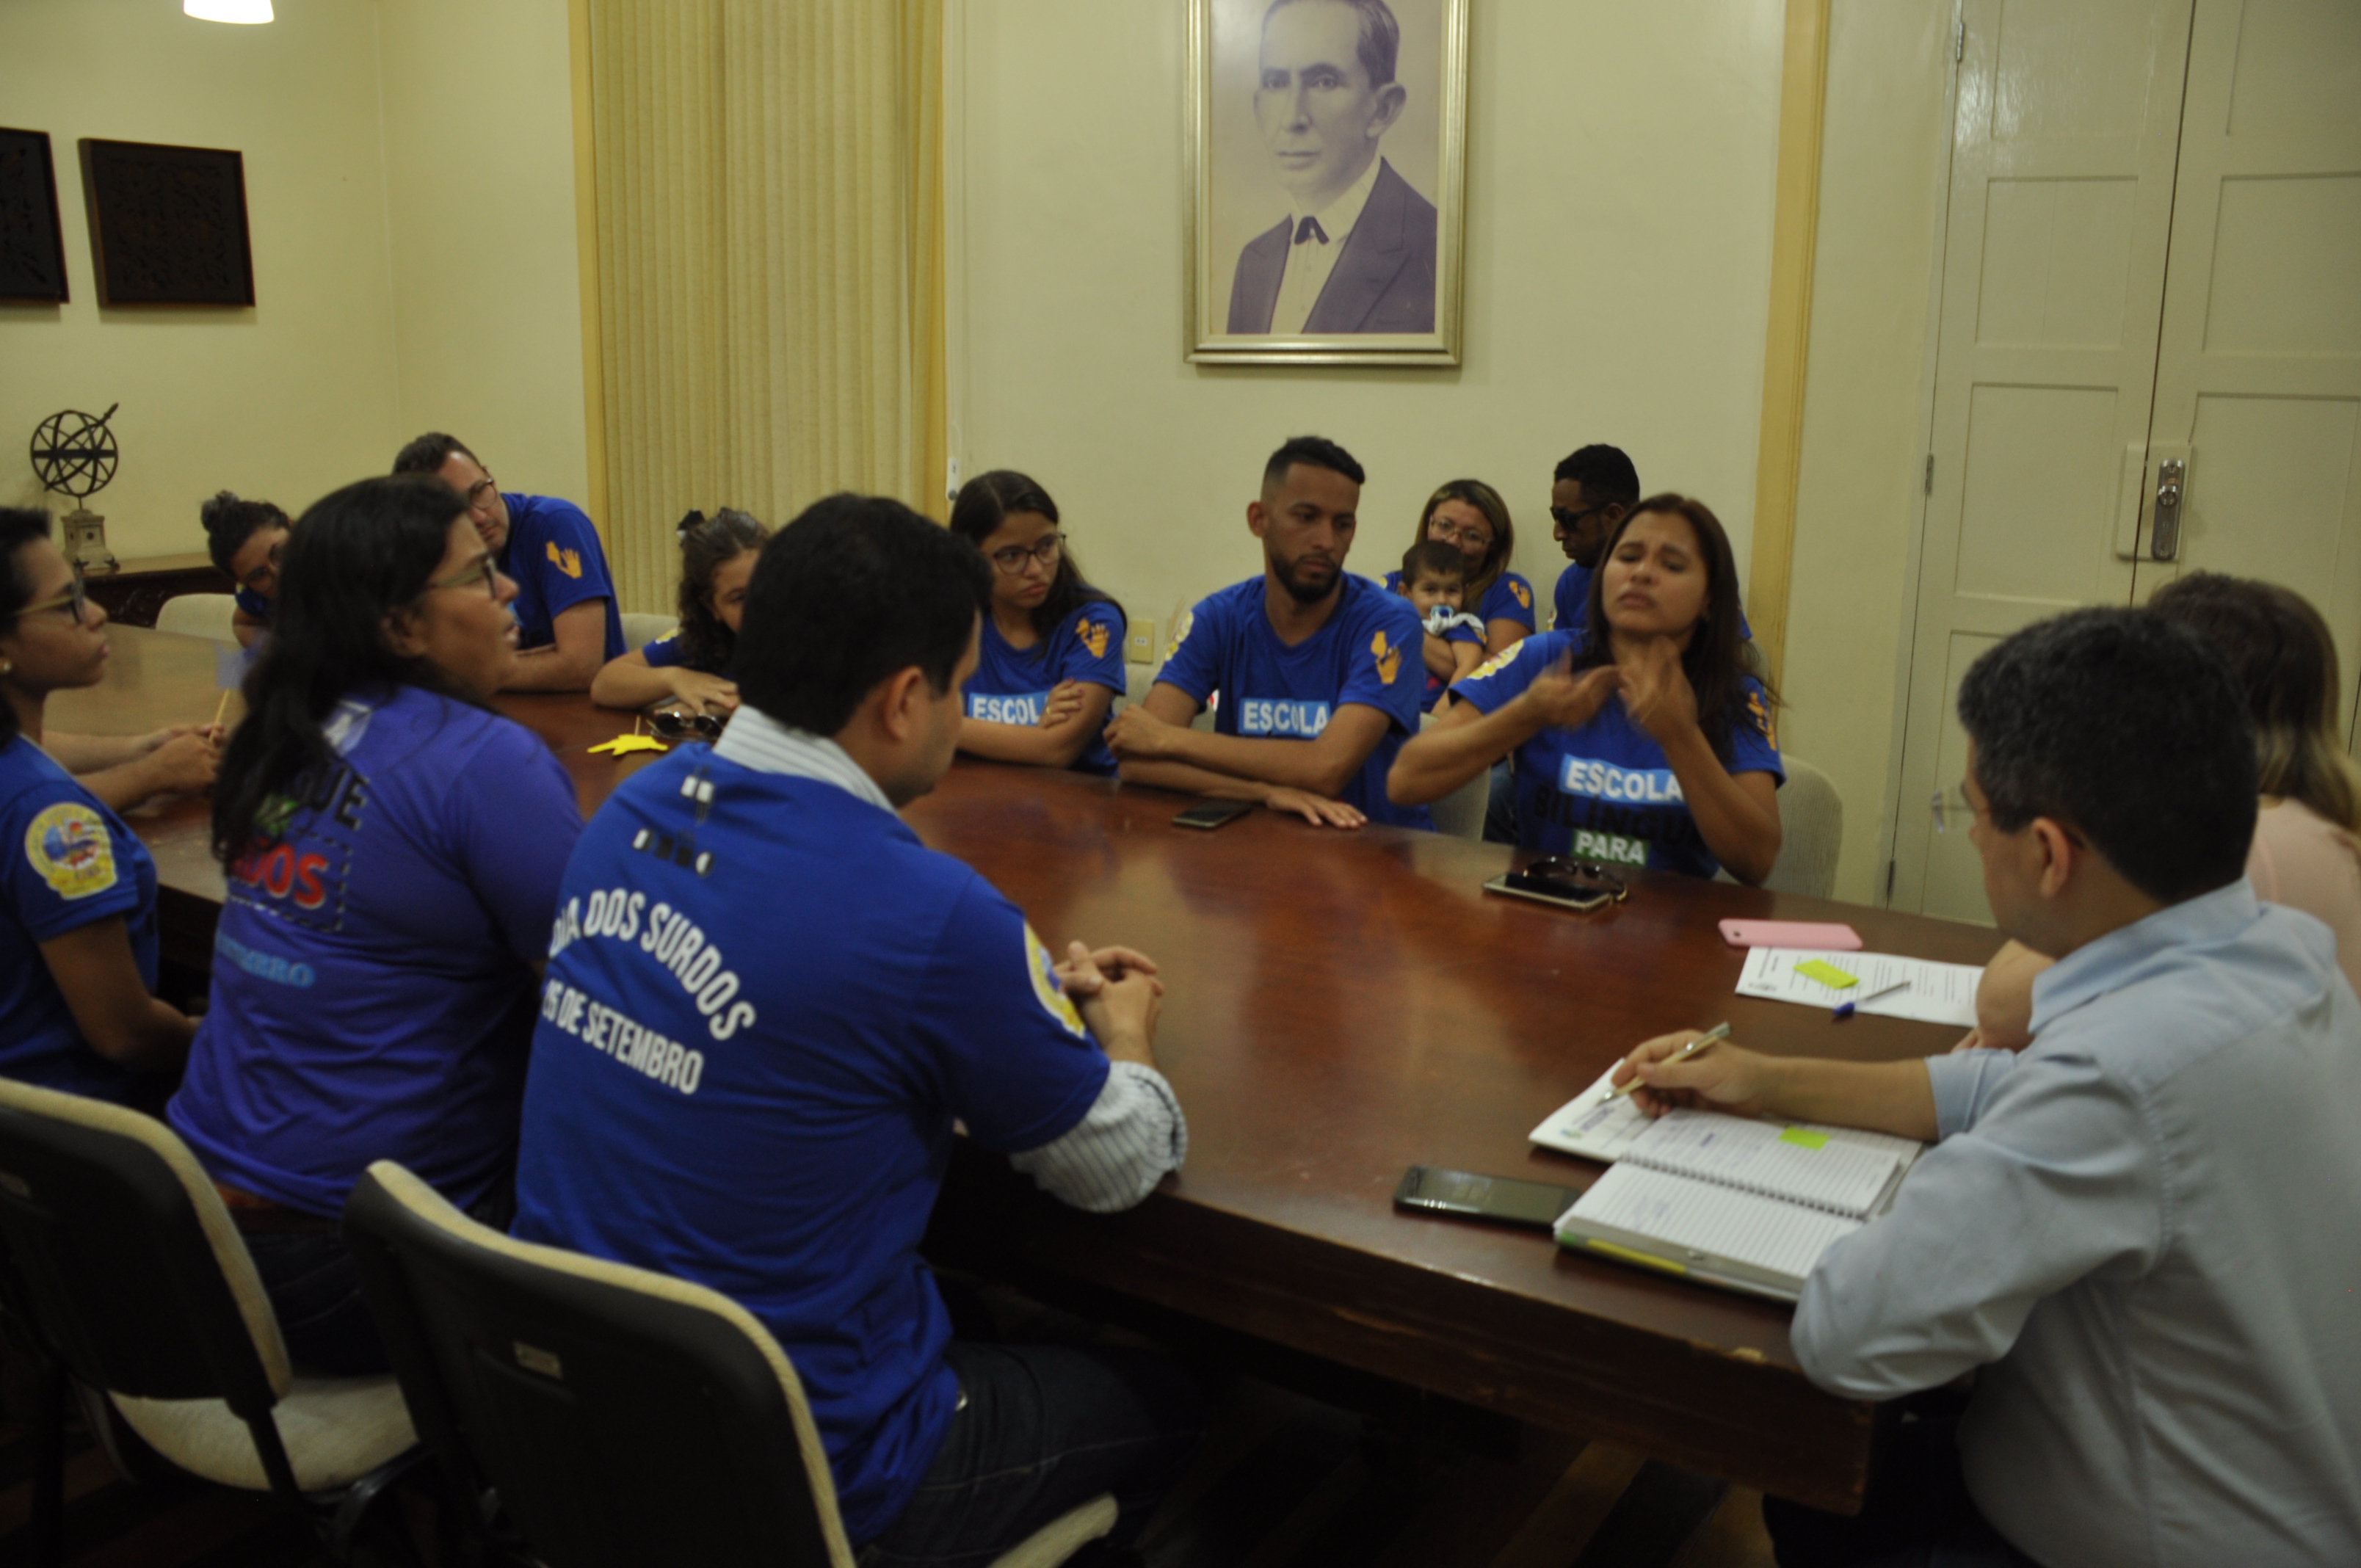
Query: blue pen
1845, 1010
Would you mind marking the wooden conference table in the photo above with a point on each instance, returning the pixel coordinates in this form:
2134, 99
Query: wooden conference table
1341, 1006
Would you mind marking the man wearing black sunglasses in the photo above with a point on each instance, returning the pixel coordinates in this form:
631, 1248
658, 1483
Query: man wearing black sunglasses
1593, 489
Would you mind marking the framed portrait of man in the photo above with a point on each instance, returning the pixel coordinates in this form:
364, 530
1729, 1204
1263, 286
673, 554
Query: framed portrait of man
1326, 150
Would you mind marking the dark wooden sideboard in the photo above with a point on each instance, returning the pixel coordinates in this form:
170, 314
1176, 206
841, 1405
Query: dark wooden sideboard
135, 590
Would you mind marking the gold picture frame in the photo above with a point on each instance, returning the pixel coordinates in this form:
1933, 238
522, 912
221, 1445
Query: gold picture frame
1244, 167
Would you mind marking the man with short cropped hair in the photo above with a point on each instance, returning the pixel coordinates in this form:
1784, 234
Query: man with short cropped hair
1314, 673
567, 625
2140, 1232
768, 1004
1594, 488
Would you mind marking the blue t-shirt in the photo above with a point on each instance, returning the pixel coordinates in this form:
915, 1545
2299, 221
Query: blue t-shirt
1573, 590
1509, 597
746, 1076
71, 862
1436, 684
253, 603
1011, 683
554, 555
372, 986
666, 652
1605, 792
1368, 654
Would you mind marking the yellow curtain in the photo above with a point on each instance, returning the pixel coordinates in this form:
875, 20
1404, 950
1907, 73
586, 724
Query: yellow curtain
768, 179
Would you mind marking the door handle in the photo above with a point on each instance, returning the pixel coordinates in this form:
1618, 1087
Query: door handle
2164, 537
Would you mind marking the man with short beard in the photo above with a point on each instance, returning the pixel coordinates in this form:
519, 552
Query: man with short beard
1314, 673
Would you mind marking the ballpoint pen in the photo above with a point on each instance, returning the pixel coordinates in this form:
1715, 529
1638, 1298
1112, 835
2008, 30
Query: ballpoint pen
1845, 1009
1718, 1032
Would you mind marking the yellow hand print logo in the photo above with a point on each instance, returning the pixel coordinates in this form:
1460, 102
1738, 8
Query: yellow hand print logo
1755, 705
567, 561
1525, 595
1094, 636
1388, 659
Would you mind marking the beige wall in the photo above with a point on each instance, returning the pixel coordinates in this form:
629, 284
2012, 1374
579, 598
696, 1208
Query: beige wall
1857, 518
479, 194
410, 186
1618, 255
285, 399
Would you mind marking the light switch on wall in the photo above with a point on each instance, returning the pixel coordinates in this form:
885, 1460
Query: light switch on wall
1139, 642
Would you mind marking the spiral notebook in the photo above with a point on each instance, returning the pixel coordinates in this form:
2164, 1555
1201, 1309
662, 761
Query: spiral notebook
1743, 1204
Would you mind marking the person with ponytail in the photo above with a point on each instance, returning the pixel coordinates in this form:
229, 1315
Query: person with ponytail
2305, 852
695, 665
1049, 663
393, 850
77, 936
247, 539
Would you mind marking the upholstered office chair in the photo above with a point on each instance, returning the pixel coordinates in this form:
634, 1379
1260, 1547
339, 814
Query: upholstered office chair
639, 630
1461, 813
129, 1274
1811, 831
199, 615
622, 1416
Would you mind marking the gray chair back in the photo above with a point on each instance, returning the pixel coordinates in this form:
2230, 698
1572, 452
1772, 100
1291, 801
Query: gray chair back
1811, 829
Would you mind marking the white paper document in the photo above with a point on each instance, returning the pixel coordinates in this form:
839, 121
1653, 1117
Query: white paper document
1937, 993
1843, 1172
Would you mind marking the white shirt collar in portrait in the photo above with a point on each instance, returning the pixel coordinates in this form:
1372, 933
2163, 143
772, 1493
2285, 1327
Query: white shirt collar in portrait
1310, 261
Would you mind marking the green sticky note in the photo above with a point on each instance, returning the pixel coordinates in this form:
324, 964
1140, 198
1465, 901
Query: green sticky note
1826, 974
1804, 1137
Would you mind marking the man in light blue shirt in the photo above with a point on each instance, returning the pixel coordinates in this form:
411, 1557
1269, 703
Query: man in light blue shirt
2145, 1231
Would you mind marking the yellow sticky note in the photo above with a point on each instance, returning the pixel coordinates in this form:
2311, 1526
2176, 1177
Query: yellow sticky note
1804, 1137
1826, 974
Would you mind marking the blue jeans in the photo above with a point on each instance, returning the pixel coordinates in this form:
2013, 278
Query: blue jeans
1042, 1430
1918, 1513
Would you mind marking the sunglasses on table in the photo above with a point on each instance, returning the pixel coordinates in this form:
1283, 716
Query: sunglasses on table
675, 725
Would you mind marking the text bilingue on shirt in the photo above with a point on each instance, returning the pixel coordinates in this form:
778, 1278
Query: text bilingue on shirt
1368, 653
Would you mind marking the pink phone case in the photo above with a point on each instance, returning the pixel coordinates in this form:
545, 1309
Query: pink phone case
1826, 936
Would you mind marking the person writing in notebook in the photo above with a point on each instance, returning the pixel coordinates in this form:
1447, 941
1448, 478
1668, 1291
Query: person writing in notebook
2139, 1230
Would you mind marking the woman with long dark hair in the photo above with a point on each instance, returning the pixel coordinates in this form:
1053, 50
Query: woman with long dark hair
1050, 662
393, 850
697, 662
1645, 739
77, 939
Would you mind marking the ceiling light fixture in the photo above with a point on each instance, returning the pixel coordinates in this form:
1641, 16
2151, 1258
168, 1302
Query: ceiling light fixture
227, 10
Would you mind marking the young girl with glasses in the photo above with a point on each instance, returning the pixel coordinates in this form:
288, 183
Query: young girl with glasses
1049, 663
78, 934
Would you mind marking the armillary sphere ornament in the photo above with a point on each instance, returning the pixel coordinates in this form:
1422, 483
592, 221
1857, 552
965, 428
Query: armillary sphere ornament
74, 455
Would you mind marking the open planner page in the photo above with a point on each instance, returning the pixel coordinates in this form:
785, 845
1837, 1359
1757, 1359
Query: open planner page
1803, 1165
1698, 1223
1591, 1124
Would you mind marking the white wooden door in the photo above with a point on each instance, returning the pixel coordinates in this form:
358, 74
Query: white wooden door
2258, 372
2061, 212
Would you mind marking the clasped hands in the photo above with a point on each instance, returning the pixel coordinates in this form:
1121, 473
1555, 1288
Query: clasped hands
1655, 691
1118, 995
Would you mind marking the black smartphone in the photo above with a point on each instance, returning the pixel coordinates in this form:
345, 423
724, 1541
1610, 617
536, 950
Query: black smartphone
1212, 813
1546, 889
1533, 1203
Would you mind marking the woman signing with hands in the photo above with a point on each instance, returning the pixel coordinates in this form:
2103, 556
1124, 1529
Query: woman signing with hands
1644, 737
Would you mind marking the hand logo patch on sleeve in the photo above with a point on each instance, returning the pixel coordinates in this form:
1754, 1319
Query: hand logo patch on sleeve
1760, 713
1525, 595
1043, 969
567, 561
1181, 629
1093, 635
1498, 662
68, 846
1389, 658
